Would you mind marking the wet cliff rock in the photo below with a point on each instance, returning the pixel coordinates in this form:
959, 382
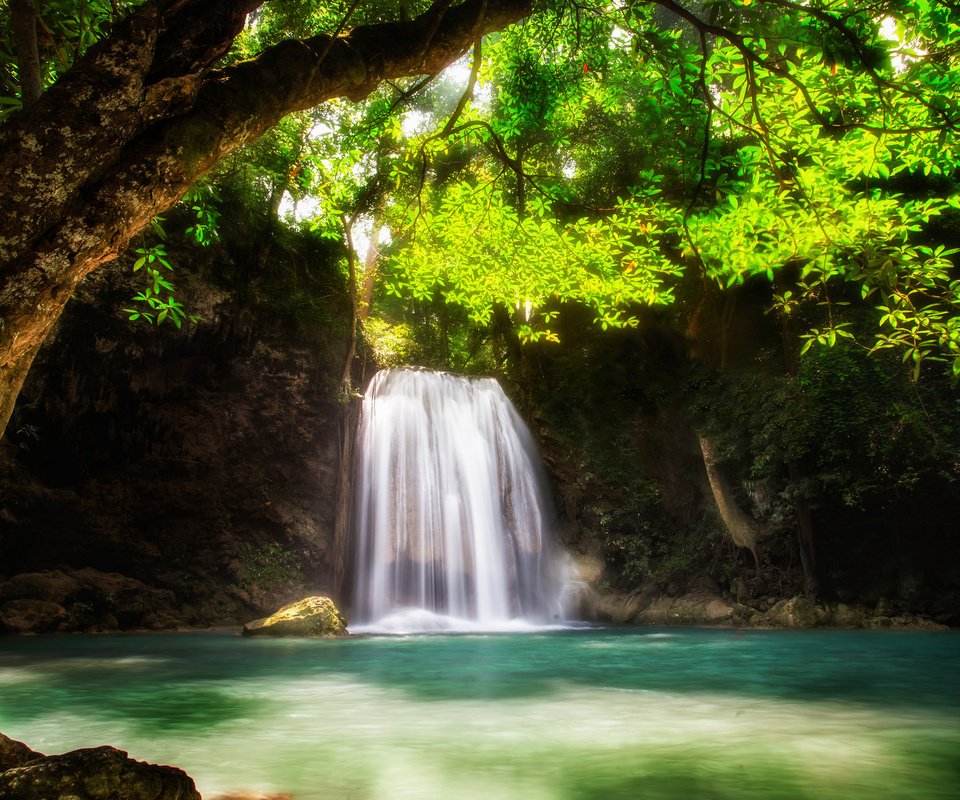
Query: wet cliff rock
199, 463
87, 599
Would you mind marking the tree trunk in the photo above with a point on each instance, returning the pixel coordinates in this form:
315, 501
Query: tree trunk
23, 15
741, 527
806, 538
349, 415
142, 116
369, 273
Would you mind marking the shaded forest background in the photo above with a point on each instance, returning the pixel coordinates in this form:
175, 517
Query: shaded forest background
709, 252
202, 463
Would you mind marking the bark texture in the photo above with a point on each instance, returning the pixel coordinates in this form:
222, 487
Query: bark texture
23, 15
144, 115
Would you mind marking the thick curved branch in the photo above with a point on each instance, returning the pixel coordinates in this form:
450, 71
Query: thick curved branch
231, 109
151, 66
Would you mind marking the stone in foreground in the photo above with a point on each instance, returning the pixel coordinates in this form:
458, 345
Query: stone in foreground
14, 753
312, 616
99, 773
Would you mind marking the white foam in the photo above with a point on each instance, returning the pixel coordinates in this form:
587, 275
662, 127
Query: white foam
407, 621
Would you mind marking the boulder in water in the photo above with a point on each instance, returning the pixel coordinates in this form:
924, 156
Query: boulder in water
99, 773
312, 616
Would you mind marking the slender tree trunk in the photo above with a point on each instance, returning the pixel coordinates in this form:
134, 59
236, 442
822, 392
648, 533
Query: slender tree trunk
349, 412
272, 219
23, 15
806, 537
370, 263
741, 527
343, 525
346, 380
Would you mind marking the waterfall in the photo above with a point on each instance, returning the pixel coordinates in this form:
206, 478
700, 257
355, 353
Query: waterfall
451, 518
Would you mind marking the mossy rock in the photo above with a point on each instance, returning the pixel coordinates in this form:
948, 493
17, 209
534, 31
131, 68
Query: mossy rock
312, 616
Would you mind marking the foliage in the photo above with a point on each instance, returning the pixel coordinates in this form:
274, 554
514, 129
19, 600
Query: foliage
860, 431
157, 295
603, 150
392, 345
479, 253
158, 292
202, 200
65, 31
266, 565
615, 153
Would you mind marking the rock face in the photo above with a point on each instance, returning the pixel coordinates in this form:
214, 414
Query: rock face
100, 773
31, 616
797, 612
710, 609
198, 466
87, 599
643, 608
312, 616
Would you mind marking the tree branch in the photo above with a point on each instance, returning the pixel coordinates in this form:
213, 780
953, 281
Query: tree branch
860, 51
468, 92
153, 170
79, 126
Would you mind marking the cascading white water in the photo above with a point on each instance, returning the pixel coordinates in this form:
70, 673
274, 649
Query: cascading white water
451, 520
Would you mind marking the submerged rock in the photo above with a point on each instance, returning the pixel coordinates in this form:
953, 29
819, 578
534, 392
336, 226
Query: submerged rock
312, 616
99, 773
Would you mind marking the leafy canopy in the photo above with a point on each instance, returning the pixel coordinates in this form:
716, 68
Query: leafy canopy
604, 154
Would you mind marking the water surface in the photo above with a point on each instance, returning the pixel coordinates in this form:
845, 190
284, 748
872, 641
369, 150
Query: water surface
656, 713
